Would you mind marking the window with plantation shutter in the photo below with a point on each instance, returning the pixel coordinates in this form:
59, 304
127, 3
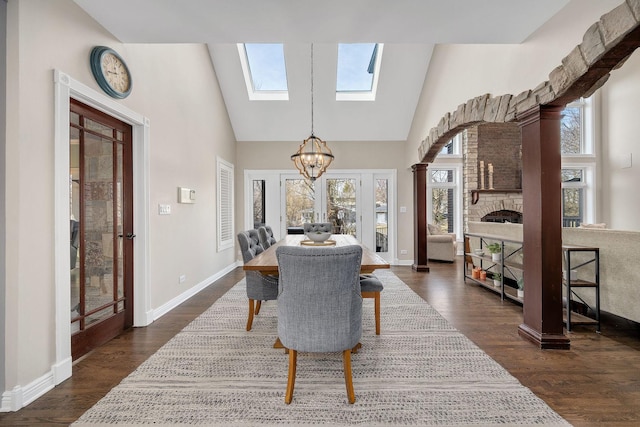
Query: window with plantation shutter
225, 205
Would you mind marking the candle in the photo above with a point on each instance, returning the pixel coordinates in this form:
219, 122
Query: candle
490, 168
481, 164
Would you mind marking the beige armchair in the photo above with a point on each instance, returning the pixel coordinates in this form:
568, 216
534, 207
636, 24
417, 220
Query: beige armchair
441, 246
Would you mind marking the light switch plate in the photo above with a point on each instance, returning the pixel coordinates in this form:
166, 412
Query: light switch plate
164, 209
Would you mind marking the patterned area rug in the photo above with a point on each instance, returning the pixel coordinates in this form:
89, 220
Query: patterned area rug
419, 371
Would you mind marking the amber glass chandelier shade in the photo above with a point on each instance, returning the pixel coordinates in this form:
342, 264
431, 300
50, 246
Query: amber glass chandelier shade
312, 158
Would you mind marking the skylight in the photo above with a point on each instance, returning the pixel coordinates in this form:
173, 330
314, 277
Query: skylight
358, 69
264, 70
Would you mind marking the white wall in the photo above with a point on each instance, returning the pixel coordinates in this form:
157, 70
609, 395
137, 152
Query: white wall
458, 73
620, 140
176, 88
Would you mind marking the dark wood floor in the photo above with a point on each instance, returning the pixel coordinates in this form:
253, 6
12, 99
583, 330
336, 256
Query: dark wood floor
595, 383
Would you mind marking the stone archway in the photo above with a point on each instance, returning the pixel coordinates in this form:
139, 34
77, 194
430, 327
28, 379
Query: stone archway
605, 47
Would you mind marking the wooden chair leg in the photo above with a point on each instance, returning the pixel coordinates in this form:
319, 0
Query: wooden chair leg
250, 319
376, 304
291, 381
258, 305
346, 356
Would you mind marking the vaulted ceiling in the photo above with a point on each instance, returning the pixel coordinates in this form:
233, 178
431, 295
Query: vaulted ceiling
409, 30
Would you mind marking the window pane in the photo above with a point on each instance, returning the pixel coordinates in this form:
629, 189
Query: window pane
356, 65
571, 175
266, 66
440, 176
571, 131
572, 207
443, 210
258, 203
382, 215
448, 148
300, 202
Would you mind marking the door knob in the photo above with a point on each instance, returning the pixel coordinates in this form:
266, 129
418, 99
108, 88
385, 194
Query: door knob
130, 236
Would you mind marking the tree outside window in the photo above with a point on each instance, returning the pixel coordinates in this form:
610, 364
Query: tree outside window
442, 198
573, 188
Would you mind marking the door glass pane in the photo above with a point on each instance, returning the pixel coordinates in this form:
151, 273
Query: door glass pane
119, 213
74, 209
341, 205
442, 204
97, 127
300, 204
98, 227
258, 203
382, 215
74, 118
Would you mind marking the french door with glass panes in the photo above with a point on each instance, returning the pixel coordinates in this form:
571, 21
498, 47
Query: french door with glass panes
331, 198
360, 203
101, 220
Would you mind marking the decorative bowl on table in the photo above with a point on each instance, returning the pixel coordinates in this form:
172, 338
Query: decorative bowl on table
479, 252
318, 236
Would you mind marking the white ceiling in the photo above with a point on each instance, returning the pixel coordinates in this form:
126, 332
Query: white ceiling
408, 28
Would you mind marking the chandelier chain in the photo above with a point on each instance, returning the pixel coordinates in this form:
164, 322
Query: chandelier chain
313, 156
311, 88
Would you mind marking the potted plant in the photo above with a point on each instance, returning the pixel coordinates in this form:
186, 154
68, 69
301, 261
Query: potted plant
497, 279
521, 287
495, 250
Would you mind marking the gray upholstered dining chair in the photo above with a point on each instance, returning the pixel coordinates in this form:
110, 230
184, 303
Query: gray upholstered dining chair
319, 305
371, 287
325, 227
260, 287
266, 236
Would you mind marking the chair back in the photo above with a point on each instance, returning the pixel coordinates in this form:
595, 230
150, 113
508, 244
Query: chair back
265, 234
319, 300
325, 227
249, 242
259, 286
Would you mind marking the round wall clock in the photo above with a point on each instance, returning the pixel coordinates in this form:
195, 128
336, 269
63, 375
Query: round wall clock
111, 72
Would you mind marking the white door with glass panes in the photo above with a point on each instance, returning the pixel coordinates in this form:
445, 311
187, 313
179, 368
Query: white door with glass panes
359, 203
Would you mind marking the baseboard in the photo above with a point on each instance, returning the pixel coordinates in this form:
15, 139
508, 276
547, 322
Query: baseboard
173, 303
19, 397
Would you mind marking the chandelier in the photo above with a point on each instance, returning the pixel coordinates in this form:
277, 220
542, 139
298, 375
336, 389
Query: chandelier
313, 157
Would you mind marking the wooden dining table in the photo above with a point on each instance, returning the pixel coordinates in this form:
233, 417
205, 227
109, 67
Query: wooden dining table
267, 263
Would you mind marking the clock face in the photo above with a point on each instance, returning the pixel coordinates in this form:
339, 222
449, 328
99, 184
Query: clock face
111, 72
115, 72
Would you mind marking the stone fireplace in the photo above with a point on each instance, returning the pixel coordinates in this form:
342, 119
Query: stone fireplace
500, 146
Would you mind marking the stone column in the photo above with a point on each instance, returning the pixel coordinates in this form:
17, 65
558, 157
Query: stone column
420, 217
542, 229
